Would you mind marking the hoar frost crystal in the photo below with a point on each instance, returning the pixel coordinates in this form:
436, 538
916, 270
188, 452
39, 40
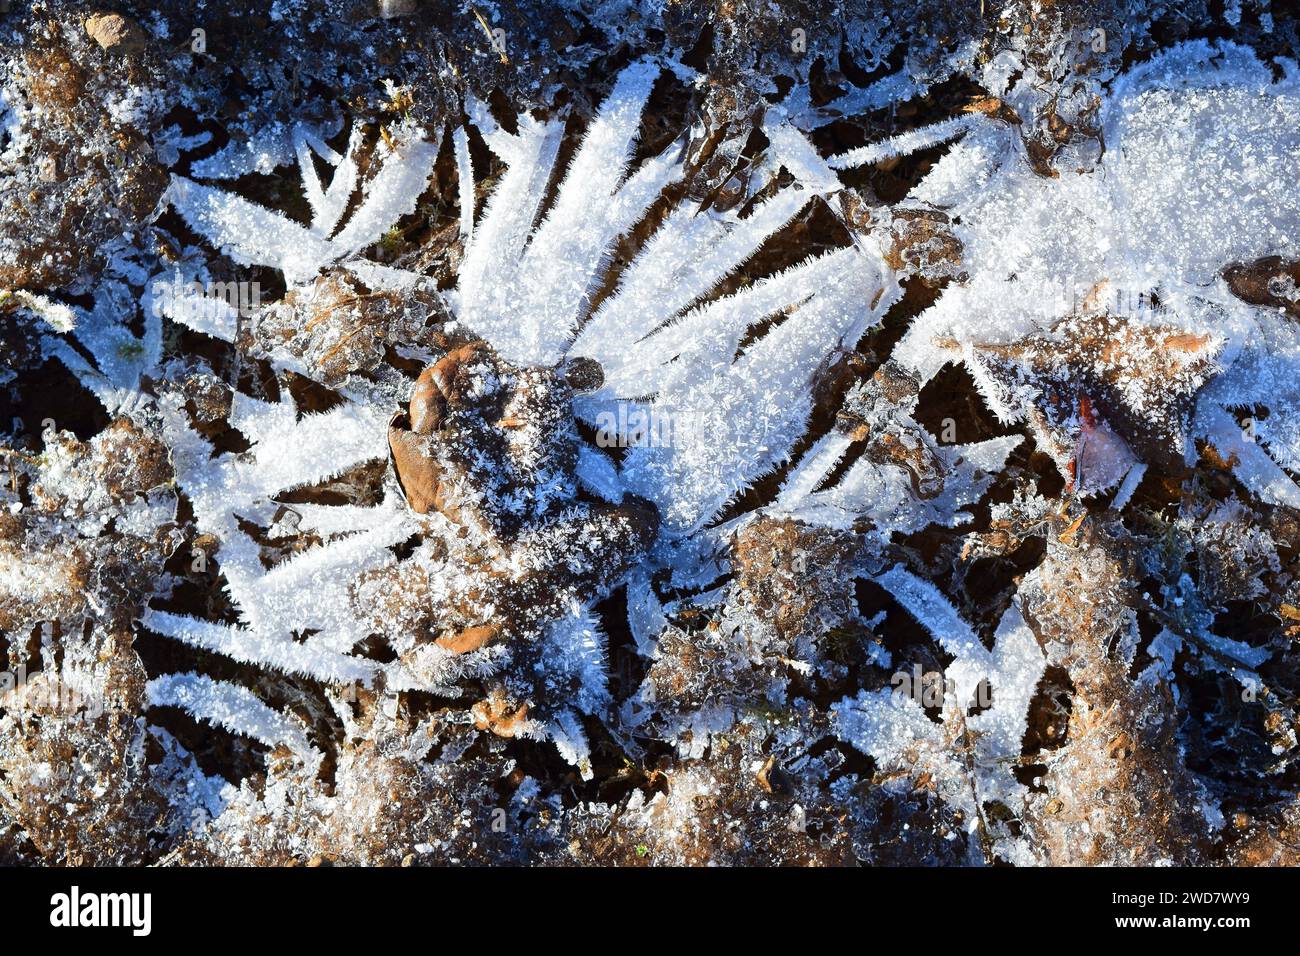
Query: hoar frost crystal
555, 452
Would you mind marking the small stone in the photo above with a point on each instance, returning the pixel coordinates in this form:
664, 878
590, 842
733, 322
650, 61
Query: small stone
584, 374
115, 33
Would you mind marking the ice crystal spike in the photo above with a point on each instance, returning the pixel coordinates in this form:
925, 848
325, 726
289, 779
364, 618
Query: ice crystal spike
253, 235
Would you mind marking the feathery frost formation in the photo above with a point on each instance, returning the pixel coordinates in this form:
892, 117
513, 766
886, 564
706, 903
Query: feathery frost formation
733, 473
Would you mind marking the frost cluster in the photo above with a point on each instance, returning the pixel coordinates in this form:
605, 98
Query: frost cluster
733, 450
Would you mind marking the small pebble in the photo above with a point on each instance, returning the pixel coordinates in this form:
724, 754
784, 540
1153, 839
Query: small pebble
115, 33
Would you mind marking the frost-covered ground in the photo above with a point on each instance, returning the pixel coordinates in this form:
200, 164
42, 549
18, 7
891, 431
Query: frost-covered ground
649, 432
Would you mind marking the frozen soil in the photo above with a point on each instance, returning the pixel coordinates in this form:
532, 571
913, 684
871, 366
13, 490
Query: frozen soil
620, 432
